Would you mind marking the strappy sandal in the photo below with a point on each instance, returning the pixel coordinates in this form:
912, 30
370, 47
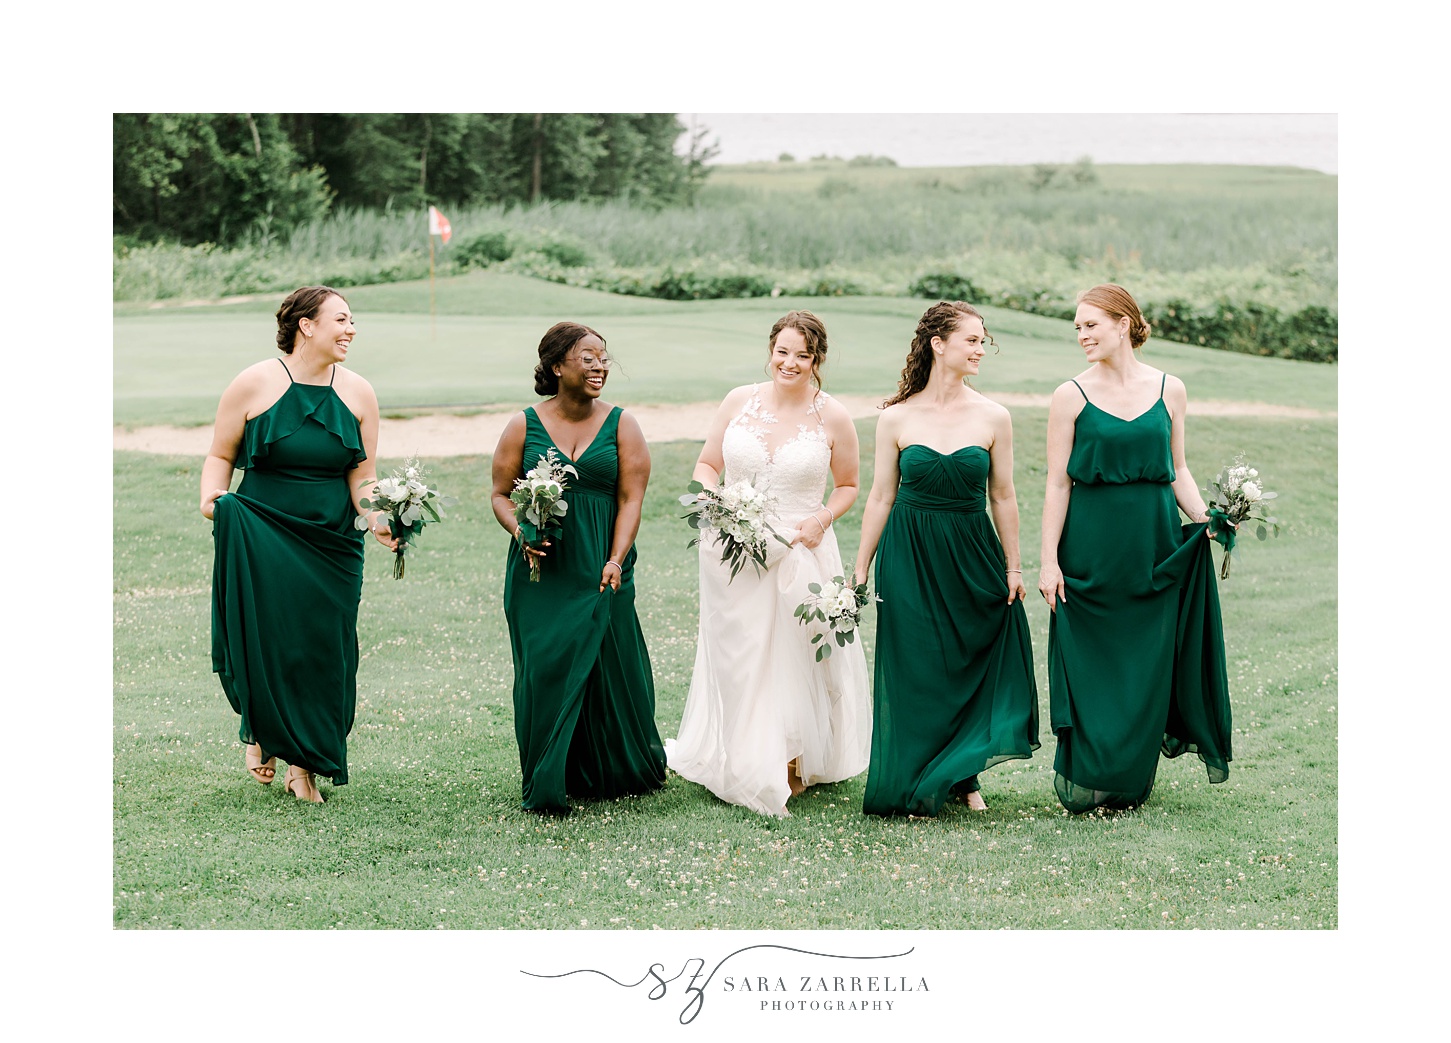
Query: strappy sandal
303, 776
263, 771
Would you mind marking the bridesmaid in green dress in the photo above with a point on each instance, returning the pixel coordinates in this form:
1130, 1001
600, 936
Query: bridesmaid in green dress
1135, 646
288, 569
584, 694
954, 691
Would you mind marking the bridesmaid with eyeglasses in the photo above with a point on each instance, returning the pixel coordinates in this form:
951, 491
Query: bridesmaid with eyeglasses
584, 693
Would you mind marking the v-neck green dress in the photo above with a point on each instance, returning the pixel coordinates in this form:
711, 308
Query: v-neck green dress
954, 691
584, 693
1136, 653
287, 578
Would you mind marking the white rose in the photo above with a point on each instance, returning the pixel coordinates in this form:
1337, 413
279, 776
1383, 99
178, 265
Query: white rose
1250, 491
417, 490
411, 473
845, 602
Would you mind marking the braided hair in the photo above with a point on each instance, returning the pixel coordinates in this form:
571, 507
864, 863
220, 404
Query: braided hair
940, 320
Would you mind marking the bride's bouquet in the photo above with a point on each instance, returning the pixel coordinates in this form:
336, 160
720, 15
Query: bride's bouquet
839, 605
1236, 495
736, 513
410, 505
539, 505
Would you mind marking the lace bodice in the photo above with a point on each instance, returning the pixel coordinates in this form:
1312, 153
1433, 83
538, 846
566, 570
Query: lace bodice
795, 473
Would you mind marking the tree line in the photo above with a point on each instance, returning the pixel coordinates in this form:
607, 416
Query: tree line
215, 177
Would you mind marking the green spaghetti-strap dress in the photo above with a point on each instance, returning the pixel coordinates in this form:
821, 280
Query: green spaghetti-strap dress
1136, 652
287, 577
953, 691
584, 693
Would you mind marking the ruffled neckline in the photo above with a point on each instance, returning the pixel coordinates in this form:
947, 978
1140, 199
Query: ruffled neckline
290, 412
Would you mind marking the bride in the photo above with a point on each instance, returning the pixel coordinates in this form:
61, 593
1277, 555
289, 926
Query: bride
764, 719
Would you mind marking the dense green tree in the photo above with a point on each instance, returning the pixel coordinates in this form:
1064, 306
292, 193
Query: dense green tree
199, 177
209, 177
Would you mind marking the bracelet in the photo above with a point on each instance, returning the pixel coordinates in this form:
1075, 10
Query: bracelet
829, 514
1018, 571
818, 524
616, 564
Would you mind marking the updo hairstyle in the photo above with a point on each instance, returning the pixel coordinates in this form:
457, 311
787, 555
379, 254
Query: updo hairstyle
812, 329
300, 304
554, 346
1117, 303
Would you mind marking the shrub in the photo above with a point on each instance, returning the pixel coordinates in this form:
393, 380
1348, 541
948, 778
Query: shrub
480, 251
945, 286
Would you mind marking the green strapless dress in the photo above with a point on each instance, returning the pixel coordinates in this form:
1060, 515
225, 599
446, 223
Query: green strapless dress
1136, 654
584, 693
286, 581
954, 691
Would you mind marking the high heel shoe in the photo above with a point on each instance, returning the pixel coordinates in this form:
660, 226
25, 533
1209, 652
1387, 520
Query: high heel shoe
263, 771
303, 779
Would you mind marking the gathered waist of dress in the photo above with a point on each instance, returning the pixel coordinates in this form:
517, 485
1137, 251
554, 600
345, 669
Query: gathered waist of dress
588, 490
923, 501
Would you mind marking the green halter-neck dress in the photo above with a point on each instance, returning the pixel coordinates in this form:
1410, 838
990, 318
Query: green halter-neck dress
287, 577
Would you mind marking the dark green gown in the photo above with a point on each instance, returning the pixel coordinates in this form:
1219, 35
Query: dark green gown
954, 691
287, 578
1136, 653
584, 693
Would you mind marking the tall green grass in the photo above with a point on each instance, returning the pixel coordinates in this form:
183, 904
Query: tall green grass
874, 226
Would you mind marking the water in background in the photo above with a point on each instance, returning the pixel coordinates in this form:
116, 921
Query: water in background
975, 139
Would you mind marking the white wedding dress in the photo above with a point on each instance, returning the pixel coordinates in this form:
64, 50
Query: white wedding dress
758, 697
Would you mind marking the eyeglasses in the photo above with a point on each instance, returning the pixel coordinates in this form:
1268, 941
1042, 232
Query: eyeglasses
590, 362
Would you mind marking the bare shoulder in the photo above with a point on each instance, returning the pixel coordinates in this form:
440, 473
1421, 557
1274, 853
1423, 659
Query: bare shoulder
737, 396
832, 410
260, 375
628, 424
994, 411
891, 420
355, 388
1069, 390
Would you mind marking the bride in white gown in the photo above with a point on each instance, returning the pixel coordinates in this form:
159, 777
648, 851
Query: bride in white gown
764, 719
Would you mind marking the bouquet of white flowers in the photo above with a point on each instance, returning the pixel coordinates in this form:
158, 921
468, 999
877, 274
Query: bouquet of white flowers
410, 505
737, 515
839, 605
538, 500
1235, 495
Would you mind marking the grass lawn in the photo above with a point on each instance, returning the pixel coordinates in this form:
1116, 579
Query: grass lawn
429, 833
172, 363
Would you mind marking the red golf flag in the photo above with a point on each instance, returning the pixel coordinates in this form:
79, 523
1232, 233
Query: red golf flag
438, 224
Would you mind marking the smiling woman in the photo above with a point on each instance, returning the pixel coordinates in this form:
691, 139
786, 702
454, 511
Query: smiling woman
584, 693
764, 718
288, 567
